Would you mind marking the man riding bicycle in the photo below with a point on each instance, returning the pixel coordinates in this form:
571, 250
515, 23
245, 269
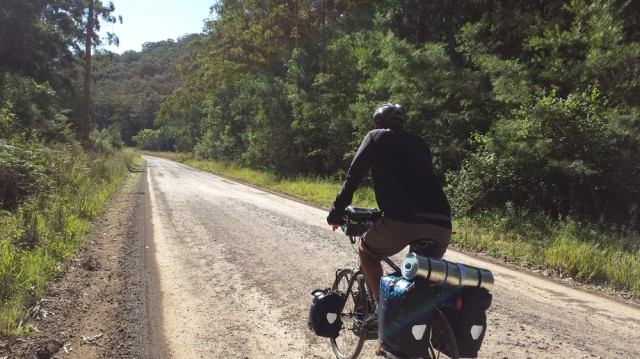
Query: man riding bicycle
407, 191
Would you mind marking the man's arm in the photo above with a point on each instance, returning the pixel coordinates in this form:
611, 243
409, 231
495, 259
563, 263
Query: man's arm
357, 171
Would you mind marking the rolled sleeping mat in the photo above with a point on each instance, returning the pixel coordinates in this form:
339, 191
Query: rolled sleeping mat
441, 271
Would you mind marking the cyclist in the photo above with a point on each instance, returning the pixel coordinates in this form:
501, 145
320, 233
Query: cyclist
406, 189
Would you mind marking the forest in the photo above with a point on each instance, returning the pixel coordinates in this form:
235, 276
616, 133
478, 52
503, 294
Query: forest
57, 168
531, 107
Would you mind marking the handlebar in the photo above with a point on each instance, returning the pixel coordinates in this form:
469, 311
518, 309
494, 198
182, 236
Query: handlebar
361, 214
359, 220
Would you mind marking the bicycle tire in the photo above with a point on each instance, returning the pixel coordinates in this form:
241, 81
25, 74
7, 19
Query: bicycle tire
443, 341
350, 341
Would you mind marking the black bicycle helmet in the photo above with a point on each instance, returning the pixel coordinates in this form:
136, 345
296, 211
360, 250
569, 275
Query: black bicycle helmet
389, 114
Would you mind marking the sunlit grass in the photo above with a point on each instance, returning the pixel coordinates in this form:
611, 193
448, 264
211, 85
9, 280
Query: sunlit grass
589, 261
566, 247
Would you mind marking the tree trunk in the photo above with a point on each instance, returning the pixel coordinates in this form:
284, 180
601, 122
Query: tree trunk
85, 124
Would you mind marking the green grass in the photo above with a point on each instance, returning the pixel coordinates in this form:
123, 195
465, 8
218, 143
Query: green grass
605, 261
568, 248
51, 225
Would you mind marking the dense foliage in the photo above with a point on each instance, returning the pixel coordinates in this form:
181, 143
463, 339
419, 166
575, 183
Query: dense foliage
527, 104
41, 57
51, 187
130, 88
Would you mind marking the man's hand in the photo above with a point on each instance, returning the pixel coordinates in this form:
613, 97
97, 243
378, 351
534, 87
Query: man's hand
335, 218
335, 226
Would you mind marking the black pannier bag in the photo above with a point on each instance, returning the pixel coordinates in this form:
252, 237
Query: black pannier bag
468, 318
404, 315
324, 314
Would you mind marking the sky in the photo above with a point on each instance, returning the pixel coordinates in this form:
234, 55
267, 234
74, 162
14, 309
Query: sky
153, 21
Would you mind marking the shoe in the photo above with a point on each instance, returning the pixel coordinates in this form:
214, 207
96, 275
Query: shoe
371, 322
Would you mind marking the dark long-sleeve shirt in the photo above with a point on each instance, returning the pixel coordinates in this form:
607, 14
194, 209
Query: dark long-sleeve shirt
402, 173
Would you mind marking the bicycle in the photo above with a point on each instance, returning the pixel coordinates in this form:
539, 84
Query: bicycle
360, 302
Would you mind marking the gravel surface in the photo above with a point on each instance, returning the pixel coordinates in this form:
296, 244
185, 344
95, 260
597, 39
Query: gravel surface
190, 265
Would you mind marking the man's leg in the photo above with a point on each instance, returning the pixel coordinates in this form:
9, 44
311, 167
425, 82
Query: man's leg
372, 269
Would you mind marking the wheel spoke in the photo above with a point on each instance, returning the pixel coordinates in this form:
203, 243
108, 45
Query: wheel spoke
349, 342
443, 340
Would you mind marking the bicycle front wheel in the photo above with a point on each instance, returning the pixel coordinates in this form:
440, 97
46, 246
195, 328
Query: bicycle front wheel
442, 338
351, 339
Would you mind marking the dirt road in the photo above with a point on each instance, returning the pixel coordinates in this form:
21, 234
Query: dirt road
198, 266
236, 266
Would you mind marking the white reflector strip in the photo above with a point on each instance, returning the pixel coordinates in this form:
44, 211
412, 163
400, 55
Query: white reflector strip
331, 317
476, 331
418, 331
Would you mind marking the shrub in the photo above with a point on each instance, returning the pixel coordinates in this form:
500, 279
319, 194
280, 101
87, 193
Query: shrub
563, 156
23, 173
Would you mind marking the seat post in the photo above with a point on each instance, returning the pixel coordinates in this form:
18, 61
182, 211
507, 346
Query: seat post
420, 245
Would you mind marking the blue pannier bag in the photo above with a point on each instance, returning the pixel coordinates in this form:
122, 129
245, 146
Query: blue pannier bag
405, 312
324, 314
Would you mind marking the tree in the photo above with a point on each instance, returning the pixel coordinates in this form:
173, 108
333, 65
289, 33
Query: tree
564, 156
91, 25
132, 90
42, 39
85, 123
516, 97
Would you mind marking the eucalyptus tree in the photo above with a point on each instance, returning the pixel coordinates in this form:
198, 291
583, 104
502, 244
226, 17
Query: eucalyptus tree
43, 40
467, 70
249, 51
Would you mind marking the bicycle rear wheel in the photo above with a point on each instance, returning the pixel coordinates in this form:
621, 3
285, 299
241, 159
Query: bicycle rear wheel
443, 341
351, 339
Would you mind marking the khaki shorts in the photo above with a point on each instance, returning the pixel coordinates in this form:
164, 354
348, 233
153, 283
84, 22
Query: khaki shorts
388, 237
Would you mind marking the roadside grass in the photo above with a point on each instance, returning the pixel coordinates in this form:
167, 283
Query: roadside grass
604, 257
601, 256
51, 225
